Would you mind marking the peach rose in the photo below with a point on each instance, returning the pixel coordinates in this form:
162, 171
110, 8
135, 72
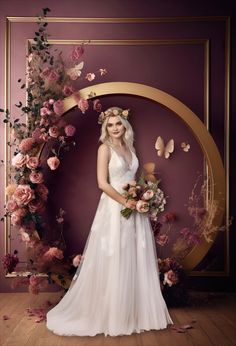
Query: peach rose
148, 195
53, 131
53, 162
19, 160
36, 177
11, 205
142, 206
17, 215
33, 162
170, 278
23, 194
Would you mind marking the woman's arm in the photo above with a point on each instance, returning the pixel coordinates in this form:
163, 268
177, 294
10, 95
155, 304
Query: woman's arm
102, 177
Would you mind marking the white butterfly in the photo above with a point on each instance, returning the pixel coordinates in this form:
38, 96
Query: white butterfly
162, 149
185, 146
75, 72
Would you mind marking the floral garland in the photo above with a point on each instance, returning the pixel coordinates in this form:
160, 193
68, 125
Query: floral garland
49, 79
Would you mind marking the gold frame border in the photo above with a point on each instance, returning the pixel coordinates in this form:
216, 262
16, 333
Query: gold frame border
225, 19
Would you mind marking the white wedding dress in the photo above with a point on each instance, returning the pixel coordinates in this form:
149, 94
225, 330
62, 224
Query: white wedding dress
116, 289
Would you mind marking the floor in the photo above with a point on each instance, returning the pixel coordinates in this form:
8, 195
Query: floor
212, 317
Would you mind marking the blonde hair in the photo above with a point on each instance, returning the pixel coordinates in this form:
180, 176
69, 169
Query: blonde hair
128, 136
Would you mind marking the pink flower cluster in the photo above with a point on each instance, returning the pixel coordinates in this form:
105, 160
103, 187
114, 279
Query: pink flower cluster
10, 261
191, 237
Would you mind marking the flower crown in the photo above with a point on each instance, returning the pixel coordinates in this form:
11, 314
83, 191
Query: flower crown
113, 112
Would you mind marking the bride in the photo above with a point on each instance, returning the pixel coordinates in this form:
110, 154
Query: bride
116, 288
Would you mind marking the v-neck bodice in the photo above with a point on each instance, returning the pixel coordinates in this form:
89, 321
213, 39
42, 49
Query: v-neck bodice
120, 171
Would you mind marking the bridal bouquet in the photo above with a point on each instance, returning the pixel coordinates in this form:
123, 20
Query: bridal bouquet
150, 198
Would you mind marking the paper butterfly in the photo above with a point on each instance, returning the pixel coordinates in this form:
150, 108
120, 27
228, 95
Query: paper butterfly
185, 146
149, 168
162, 149
75, 72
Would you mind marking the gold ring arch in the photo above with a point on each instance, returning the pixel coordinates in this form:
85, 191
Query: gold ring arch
204, 138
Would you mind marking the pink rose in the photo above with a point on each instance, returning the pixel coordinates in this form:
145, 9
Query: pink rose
83, 105
53, 162
58, 107
27, 144
162, 239
36, 177
23, 194
11, 205
97, 106
53, 131
170, 278
19, 160
51, 101
17, 216
42, 191
90, 76
33, 162
76, 53
142, 206
69, 130
36, 205
76, 260
148, 195
43, 111
68, 90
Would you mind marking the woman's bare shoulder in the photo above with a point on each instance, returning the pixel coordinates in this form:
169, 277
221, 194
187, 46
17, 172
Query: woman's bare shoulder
104, 150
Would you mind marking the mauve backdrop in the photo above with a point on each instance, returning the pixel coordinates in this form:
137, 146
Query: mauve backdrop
174, 68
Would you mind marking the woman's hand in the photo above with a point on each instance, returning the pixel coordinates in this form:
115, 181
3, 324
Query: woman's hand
130, 203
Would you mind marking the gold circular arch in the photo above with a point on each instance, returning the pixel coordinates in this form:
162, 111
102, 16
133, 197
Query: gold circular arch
204, 138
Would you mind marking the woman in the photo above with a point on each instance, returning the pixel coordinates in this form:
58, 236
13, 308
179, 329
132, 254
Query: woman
116, 288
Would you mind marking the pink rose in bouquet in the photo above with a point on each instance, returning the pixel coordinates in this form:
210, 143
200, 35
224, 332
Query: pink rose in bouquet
42, 191
36, 205
17, 216
58, 107
148, 195
11, 205
142, 206
83, 105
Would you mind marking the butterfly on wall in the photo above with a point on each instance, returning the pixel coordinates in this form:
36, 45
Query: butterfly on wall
163, 150
149, 171
185, 146
75, 72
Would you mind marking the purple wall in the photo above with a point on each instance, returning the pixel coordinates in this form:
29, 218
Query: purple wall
176, 68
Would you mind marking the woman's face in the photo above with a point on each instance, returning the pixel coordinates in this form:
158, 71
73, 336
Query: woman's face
115, 128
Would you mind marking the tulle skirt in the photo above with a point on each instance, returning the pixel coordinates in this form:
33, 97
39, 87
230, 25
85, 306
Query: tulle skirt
116, 290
